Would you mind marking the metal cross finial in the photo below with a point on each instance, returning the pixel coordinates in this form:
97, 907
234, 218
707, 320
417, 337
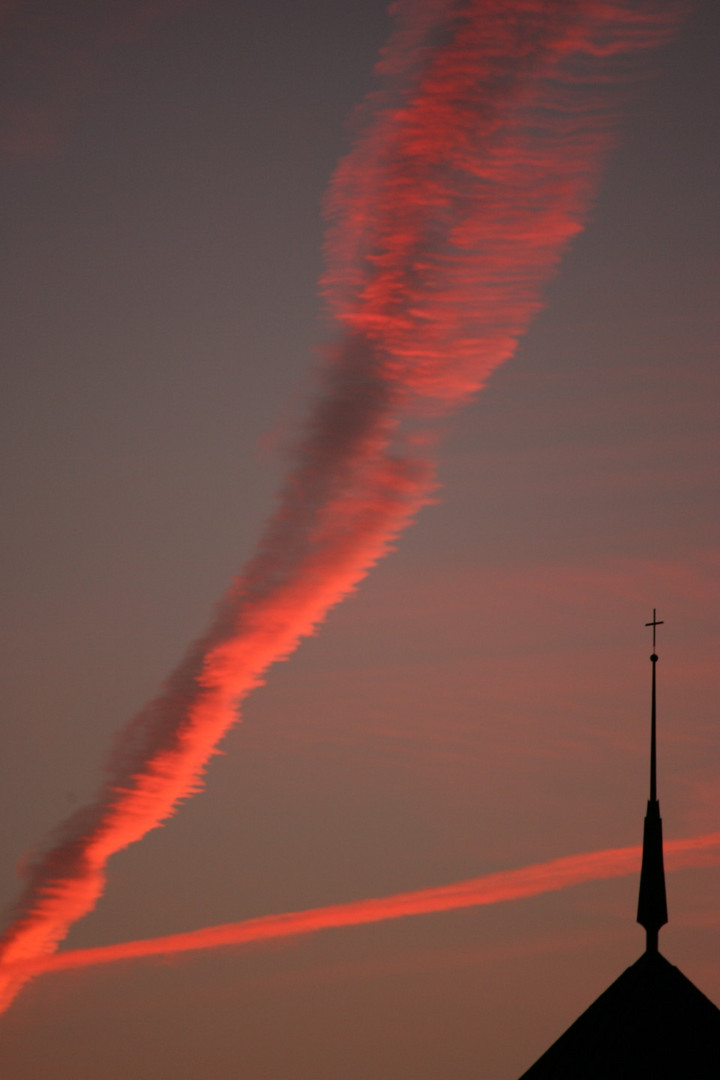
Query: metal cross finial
655, 623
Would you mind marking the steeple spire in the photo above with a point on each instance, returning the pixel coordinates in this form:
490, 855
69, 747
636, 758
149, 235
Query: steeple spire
652, 903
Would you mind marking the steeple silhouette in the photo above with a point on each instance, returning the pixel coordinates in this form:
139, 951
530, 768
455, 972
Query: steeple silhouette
652, 1021
652, 902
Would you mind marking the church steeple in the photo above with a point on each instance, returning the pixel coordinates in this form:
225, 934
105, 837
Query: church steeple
652, 902
652, 1021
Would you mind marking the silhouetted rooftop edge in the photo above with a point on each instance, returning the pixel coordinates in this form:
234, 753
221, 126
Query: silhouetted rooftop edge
651, 1022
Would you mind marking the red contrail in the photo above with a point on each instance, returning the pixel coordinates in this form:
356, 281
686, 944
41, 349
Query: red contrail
473, 171
528, 881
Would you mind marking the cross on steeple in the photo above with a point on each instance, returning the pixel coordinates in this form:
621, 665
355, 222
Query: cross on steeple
655, 623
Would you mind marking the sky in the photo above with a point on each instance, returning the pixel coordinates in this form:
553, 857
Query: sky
481, 703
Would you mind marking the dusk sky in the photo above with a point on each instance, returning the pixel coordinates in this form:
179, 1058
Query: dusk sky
481, 703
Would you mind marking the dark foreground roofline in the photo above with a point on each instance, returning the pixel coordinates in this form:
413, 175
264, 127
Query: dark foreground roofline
652, 1022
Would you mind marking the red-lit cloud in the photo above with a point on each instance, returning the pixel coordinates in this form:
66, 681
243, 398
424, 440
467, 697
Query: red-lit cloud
528, 881
473, 172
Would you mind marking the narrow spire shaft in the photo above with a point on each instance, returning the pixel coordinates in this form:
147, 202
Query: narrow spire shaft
653, 733
652, 901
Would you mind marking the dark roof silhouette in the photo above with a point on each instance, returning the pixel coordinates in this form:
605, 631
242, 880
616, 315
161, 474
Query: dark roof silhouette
652, 1023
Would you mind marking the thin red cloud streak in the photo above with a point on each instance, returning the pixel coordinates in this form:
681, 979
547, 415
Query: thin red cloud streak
474, 169
475, 892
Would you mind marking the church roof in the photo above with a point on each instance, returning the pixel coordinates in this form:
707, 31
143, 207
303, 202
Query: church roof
651, 1022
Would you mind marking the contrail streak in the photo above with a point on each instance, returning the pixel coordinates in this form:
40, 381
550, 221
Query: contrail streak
495, 888
474, 169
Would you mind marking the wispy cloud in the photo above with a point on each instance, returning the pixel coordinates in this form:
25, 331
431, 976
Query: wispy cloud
528, 881
472, 172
